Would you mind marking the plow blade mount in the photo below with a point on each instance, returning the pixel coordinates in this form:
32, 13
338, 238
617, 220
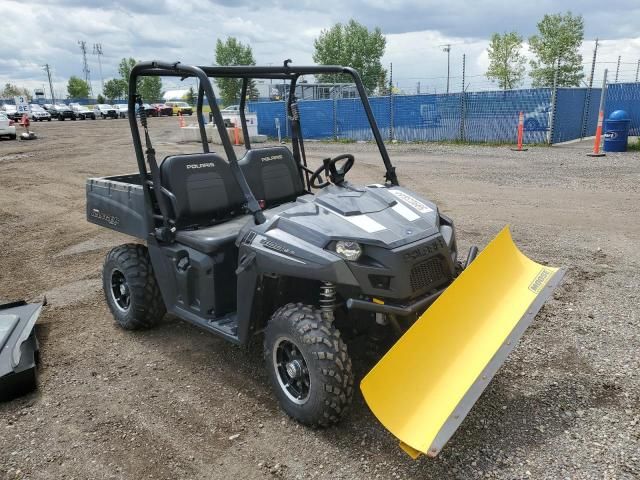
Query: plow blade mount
18, 348
426, 384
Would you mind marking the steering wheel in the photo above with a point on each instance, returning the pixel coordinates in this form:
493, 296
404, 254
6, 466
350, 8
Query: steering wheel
334, 174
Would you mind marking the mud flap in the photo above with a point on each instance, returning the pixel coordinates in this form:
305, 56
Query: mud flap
426, 384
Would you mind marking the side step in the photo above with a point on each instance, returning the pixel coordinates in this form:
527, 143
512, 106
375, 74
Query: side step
226, 326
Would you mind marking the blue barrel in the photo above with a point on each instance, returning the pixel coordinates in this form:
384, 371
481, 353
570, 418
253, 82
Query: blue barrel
616, 131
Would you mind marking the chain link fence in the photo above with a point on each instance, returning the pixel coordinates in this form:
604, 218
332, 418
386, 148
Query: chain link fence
488, 116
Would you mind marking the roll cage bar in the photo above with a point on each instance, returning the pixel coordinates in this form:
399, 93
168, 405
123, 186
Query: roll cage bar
246, 73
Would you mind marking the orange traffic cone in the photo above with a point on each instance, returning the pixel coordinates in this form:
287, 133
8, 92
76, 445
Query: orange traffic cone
181, 121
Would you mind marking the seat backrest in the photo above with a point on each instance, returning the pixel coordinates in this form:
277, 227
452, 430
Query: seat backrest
203, 188
272, 174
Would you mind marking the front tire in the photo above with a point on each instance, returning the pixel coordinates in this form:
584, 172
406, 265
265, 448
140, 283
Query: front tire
130, 287
308, 366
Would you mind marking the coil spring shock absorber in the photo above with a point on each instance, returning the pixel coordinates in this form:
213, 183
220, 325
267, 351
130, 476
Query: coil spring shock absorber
327, 300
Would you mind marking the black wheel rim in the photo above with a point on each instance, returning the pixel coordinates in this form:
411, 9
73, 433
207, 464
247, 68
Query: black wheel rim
120, 291
291, 370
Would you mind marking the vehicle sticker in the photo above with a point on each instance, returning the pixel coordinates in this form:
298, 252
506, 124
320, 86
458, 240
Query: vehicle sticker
412, 202
541, 280
365, 222
406, 212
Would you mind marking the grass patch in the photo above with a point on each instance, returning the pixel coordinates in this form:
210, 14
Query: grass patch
634, 146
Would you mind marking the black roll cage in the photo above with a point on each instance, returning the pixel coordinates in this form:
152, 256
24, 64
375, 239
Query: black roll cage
247, 73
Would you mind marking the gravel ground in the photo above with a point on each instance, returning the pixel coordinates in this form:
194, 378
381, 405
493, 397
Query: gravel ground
175, 402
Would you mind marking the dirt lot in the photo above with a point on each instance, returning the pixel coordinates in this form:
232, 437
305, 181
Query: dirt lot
175, 403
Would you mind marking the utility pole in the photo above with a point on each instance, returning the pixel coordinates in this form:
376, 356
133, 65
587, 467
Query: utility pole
447, 49
418, 88
97, 50
85, 67
618, 68
637, 70
48, 70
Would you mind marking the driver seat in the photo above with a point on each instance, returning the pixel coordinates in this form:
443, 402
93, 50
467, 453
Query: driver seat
272, 175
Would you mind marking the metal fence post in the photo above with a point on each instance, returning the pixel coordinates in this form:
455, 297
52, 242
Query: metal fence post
462, 99
391, 101
587, 97
335, 117
554, 104
603, 92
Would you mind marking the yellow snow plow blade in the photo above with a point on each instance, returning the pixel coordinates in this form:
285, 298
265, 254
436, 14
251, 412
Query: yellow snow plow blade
426, 384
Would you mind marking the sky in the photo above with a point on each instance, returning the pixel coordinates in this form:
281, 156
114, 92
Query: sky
41, 32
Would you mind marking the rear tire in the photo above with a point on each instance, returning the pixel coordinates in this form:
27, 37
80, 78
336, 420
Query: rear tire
308, 365
130, 287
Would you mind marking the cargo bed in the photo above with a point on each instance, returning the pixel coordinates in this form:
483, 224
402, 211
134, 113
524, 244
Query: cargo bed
117, 203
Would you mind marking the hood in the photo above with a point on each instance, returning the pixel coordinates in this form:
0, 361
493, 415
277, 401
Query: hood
374, 215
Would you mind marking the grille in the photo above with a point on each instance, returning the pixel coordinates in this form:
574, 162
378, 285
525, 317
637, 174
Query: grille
426, 274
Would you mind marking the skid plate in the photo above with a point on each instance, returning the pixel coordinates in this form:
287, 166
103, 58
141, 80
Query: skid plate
426, 384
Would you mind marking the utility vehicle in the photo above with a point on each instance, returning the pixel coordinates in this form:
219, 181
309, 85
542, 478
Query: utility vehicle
263, 244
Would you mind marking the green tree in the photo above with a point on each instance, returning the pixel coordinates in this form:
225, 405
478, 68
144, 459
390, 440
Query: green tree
233, 52
190, 96
125, 67
115, 88
10, 90
100, 99
77, 88
506, 62
150, 89
352, 45
557, 45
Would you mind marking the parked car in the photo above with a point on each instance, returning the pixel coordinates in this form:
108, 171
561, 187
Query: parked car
7, 128
82, 112
122, 109
162, 109
51, 109
64, 111
231, 109
104, 110
180, 107
39, 114
150, 110
11, 111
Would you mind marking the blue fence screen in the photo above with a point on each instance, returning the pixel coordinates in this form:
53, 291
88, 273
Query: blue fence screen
473, 117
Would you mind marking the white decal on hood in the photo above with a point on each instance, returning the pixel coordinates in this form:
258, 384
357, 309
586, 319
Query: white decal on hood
405, 212
412, 202
365, 222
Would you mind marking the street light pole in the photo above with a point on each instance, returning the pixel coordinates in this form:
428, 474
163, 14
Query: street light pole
447, 49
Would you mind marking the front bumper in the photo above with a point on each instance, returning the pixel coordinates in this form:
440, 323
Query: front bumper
418, 305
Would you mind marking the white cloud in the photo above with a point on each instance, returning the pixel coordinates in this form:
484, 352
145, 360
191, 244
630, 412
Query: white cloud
47, 31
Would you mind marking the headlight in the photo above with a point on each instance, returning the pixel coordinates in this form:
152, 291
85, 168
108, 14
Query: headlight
348, 250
